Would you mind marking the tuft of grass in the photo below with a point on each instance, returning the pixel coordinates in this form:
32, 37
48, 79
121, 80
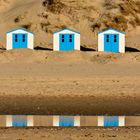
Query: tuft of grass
17, 19
44, 26
63, 26
55, 6
47, 2
110, 4
120, 19
96, 25
27, 26
43, 15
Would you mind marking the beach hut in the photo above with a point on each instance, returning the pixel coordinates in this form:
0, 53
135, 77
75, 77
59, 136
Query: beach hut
111, 40
111, 121
66, 121
66, 40
19, 38
19, 120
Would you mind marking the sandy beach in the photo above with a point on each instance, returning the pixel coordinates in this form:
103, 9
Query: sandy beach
69, 83
70, 133
43, 82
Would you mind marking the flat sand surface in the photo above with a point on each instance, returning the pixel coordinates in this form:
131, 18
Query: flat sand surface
85, 16
69, 83
70, 134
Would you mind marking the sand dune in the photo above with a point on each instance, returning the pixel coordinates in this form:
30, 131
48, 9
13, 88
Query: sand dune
87, 17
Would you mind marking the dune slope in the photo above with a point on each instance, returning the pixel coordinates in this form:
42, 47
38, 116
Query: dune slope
44, 17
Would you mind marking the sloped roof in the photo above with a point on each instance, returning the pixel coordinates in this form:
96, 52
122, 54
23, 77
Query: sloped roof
67, 29
111, 29
20, 29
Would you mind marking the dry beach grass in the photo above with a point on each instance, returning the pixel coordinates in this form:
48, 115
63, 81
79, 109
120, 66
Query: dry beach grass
88, 17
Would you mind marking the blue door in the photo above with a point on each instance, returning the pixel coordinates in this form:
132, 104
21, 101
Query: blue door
66, 42
20, 41
111, 121
111, 42
66, 121
19, 121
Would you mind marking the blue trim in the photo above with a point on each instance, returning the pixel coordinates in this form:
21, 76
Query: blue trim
20, 29
111, 29
66, 29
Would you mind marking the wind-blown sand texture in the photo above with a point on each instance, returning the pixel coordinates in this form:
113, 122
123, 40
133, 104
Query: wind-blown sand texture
69, 83
70, 134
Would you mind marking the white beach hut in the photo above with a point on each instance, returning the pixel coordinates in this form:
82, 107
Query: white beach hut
19, 38
19, 121
111, 40
66, 121
66, 40
111, 121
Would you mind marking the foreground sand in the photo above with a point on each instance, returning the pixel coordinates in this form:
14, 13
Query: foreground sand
70, 134
71, 83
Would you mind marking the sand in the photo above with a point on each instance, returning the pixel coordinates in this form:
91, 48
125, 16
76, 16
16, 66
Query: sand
70, 134
75, 83
43, 82
69, 83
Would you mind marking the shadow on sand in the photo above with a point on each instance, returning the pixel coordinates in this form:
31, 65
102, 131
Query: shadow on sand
85, 49
3, 49
129, 49
42, 48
